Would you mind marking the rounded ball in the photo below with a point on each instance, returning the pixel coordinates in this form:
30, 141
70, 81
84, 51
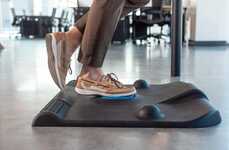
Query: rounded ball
141, 84
149, 112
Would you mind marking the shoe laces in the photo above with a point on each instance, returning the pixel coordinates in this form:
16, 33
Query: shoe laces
113, 79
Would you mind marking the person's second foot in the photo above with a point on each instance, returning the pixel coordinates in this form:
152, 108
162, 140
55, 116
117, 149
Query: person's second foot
60, 47
106, 85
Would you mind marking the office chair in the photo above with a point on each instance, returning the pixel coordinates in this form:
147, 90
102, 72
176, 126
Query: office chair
122, 32
158, 18
62, 14
65, 19
16, 19
53, 20
68, 20
46, 24
61, 21
149, 17
53, 17
80, 11
16, 23
53, 13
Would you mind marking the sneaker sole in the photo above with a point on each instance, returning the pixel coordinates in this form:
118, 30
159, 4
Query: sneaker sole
96, 93
53, 59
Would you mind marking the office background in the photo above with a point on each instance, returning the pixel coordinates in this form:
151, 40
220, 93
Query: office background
201, 27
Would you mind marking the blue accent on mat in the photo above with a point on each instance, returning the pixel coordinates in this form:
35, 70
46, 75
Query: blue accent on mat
119, 98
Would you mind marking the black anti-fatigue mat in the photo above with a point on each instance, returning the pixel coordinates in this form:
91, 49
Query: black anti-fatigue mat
173, 105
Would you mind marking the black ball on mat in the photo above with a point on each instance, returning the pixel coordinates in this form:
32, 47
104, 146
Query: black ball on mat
149, 112
141, 84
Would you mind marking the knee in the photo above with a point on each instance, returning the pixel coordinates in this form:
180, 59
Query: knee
139, 2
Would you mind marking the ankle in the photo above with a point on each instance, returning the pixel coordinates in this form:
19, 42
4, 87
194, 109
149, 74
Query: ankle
92, 72
84, 70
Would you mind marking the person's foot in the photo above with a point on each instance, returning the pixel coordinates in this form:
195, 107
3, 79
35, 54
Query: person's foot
105, 85
60, 47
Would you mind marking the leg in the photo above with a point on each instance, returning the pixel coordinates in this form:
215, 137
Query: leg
60, 46
130, 5
108, 26
101, 23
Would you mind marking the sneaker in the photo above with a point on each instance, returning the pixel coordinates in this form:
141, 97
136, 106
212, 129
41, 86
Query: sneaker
59, 56
107, 85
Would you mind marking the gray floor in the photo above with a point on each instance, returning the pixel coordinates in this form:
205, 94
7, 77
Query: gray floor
26, 86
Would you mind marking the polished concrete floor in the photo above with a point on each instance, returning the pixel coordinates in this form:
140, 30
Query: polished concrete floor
26, 86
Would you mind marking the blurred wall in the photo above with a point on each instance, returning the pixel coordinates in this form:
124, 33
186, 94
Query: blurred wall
19, 5
5, 16
210, 20
1, 19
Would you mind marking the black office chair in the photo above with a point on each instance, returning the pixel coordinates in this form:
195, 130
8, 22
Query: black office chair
52, 22
17, 20
157, 18
53, 13
80, 11
47, 24
61, 21
149, 17
67, 21
53, 18
62, 14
